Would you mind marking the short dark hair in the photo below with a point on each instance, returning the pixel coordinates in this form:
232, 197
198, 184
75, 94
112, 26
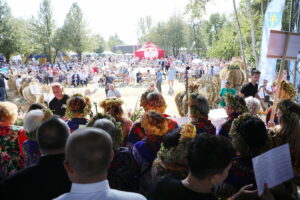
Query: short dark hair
209, 155
255, 71
171, 139
106, 125
52, 134
36, 106
254, 133
89, 150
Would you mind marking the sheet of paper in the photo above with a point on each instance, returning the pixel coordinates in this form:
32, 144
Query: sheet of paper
273, 167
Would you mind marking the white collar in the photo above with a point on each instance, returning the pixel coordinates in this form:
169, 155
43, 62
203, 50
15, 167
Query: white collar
90, 187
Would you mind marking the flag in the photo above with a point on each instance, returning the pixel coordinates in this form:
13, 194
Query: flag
272, 21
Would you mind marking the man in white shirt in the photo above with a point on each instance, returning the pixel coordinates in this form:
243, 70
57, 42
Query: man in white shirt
264, 93
19, 82
88, 154
112, 92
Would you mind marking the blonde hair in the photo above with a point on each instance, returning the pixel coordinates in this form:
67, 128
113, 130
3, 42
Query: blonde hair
8, 112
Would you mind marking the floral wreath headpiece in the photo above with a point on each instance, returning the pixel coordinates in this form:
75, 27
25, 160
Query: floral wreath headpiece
232, 102
79, 114
285, 107
107, 104
148, 106
239, 142
288, 88
118, 133
193, 104
177, 154
153, 129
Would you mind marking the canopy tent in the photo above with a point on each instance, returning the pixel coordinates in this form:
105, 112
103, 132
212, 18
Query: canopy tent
107, 53
150, 51
41, 57
196, 61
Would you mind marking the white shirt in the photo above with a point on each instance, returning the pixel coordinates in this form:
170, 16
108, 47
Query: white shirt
97, 191
115, 93
261, 91
18, 82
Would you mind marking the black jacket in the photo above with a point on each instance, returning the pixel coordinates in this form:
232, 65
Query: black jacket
2, 83
45, 180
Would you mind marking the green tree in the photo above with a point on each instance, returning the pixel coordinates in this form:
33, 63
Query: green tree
44, 28
227, 45
253, 40
158, 34
114, 40
175, 32
11, 37
60, 41
76, 29
240, 33
144, 26
97, 43
214, 26
196, 8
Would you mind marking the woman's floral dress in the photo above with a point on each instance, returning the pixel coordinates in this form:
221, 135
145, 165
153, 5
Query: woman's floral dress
11, 160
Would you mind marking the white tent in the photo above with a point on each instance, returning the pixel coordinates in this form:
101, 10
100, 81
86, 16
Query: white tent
107, 53
196, 61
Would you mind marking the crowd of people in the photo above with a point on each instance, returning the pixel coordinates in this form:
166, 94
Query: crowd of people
65, 151
153, 156
104, 71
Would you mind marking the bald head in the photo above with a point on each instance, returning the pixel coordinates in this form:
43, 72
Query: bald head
89, 152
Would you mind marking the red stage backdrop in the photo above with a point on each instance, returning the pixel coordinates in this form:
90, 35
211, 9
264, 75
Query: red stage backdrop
150, 51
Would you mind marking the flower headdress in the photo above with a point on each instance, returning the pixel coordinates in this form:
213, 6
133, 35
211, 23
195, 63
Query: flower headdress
231, 101
177, 154
194, 104
154, 123
157, 104
285, 106
78, 106
107, 104
238, 140
288, 88
118, 133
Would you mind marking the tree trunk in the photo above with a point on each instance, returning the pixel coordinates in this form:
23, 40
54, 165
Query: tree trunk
253, 40
7, 58
262, 12
56, 52
240, 38
79, 56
